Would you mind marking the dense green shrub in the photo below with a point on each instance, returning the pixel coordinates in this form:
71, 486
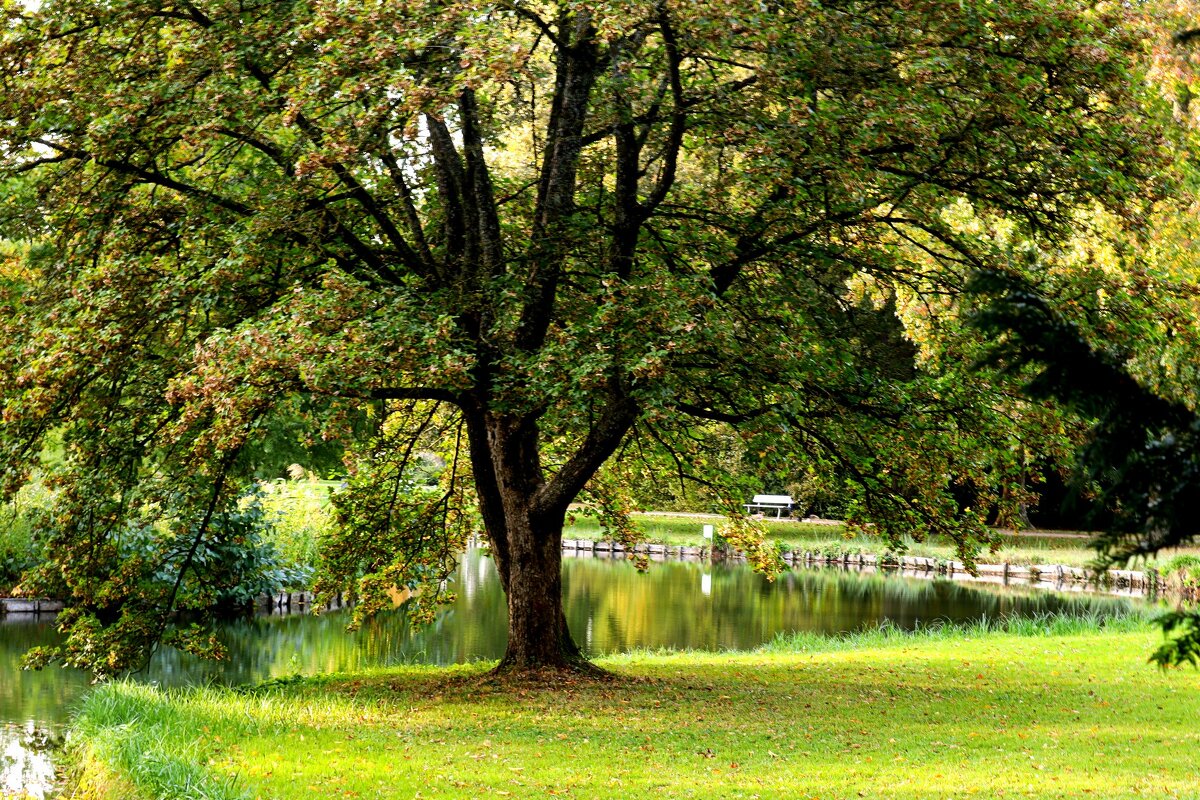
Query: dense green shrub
236, 562
19, 547
18, 551
300, 515
267, 545
240, 561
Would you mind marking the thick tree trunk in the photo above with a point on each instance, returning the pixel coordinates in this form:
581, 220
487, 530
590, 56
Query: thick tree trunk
526, 544
538, 637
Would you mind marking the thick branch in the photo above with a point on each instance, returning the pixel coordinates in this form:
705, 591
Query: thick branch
576, 74
574, 78
666, 175
1184, 38
628, 212
487, 489
451, 181
481, 200
601, 442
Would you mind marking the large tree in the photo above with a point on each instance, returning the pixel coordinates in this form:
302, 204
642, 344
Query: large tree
527, 232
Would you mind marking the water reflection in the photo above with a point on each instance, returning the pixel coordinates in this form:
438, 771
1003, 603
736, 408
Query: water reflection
26, 760
609, 605
715, 607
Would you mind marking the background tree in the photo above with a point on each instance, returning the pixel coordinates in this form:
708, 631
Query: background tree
1142, 456
1119, 345
546, 228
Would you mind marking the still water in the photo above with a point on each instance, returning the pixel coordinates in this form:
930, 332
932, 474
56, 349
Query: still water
609, 605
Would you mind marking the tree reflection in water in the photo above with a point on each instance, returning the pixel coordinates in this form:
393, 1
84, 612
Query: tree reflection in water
26, 760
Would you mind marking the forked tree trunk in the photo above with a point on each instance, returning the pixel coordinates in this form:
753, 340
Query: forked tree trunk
526, 544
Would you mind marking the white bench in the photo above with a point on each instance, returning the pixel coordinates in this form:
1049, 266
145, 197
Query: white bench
781, 504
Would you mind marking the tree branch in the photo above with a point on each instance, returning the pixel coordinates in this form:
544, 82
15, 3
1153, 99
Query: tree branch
451, 181
666, 175
601, 442
527, 14
733, 418
415, 393
478, 189
575, 76
415, 228
152, 177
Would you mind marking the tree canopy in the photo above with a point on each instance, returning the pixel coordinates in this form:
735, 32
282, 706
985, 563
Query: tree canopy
1142, 453
531, 235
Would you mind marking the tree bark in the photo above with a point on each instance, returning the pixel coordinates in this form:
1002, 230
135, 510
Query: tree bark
538, 636
523, 514
527, 543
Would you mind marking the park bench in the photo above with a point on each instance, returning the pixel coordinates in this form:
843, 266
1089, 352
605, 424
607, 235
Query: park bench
781, 504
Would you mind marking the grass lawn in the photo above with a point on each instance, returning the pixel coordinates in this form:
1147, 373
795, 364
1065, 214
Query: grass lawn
1046, 710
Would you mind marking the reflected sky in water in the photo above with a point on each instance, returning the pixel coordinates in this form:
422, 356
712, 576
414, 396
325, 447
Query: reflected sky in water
26, 759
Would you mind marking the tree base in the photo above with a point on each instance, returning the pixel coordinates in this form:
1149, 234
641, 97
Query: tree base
549, 673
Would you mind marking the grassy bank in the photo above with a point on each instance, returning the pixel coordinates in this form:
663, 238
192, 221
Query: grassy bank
833, 539
1036, 709
300, 513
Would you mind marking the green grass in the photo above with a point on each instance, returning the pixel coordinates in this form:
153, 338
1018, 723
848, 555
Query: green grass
676, 530
1044, 708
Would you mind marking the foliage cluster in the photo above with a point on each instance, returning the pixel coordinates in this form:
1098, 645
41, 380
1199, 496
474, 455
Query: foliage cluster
1185, 565
20, 549
1142, 452
395, 535
300, 518
532, 237
224, 574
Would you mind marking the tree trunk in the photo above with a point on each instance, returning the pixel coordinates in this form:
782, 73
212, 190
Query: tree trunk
538, 637
526, 544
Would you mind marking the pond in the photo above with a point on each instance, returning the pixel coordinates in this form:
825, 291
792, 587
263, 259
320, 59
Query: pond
609, 605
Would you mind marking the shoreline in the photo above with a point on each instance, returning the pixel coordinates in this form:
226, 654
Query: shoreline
1136, 583
1149, 584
